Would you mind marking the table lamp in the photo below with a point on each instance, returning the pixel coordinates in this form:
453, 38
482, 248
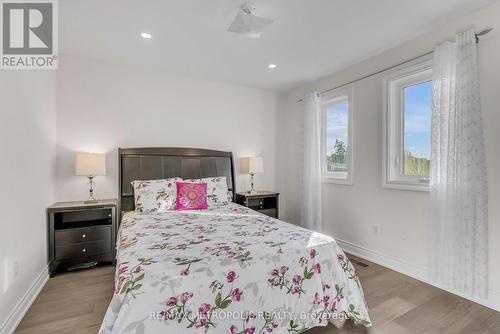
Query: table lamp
252, 165
90, 165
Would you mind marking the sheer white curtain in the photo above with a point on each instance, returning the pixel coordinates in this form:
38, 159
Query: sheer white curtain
458, 184
311, 179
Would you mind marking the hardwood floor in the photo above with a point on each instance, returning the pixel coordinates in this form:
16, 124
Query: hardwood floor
76, 302
71, 303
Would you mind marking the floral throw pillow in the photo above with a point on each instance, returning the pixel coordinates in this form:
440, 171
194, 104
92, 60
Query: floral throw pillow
155, 195
191, 196
217, 191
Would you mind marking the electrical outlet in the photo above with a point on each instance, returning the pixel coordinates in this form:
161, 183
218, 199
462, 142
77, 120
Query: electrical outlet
10, 270
375, 229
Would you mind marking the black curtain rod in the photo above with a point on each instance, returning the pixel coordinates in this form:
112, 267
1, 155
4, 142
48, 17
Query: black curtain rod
479, 34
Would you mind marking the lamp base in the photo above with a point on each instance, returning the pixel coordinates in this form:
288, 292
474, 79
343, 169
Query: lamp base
252, 189
91, 201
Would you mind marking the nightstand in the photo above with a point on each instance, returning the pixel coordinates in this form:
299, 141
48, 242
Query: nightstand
80, 235
265, 202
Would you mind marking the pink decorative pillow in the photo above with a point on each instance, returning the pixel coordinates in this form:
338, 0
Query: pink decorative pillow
191, 196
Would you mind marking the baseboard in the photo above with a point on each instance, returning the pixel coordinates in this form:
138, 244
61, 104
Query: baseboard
417, 272
15, 317
387, 261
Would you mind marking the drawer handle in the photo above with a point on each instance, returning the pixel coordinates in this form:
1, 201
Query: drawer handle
84, 236
109, 215
84, 250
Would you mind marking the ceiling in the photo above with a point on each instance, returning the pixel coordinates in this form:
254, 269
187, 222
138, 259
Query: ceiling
309, 39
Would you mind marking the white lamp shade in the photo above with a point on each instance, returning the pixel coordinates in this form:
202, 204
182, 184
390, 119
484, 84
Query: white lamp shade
252, 165
90, 164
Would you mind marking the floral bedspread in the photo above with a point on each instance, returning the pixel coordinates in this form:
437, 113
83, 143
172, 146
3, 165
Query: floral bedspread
228, 270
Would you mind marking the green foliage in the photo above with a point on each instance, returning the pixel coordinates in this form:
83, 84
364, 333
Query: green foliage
308, 274
337, 161
339, 148
225, 303
293, 328
416, 166
218, 299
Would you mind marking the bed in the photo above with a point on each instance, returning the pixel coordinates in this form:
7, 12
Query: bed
227, 269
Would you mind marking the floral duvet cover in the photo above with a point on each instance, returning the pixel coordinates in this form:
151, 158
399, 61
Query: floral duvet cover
228, 270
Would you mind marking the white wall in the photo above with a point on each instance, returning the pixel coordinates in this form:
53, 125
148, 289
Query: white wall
27, 151
349, 212
102, 106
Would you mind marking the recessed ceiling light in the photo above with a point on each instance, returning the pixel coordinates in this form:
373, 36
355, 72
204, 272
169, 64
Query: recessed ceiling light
146, 35
271, 66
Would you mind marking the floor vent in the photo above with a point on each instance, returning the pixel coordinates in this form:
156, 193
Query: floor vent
359, 263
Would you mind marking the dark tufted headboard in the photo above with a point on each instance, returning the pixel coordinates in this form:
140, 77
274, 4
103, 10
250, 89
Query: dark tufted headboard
153, 163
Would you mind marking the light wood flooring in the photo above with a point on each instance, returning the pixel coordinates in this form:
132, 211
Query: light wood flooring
75, 303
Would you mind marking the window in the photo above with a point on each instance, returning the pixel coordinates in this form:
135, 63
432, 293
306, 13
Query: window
337, 139
408, 128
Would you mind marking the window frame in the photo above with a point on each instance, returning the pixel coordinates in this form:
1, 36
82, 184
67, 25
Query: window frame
332, 98
393, 132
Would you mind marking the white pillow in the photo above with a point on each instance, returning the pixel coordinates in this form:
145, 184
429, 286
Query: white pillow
155, 195
217, 191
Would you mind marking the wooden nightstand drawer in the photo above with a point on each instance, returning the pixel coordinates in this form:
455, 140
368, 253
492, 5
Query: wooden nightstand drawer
255, 203
269, 212
82, 218
83, 234
86, 215
265, 202
83, 249
262, 203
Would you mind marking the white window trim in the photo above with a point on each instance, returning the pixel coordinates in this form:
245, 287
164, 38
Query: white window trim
393, 119
326, 100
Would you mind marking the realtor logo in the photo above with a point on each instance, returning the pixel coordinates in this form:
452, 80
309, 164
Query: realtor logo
29, 34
